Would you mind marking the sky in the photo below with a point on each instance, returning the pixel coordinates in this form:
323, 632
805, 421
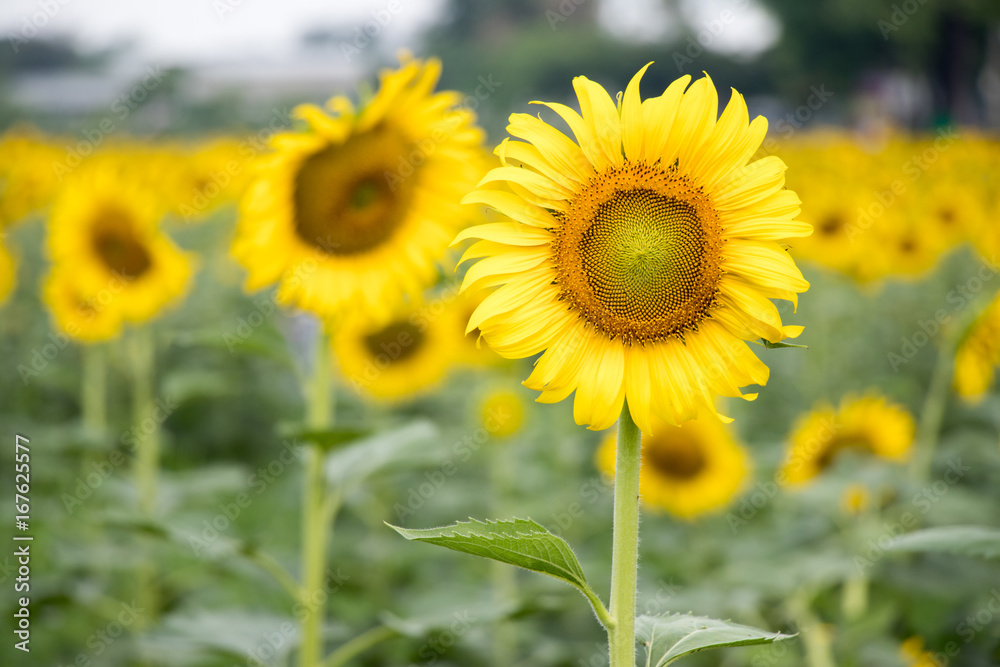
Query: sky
189, 32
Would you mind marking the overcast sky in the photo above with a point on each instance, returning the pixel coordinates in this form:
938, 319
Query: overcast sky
191, 31
188, 31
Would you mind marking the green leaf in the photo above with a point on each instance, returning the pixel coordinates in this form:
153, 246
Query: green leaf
329, 439
673, 636
961, 540
773, 346
520, 542
406, 446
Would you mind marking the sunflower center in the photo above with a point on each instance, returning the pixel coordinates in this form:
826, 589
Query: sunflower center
831, 225
675, 456
350, 198
119, 247
838, 445
638, 253
398, 341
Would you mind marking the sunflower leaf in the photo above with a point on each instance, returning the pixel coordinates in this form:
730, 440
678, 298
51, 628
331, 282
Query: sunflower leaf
520, 542
961, 540
773, 346
667, 638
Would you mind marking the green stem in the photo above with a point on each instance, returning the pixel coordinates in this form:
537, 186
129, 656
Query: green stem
935, 402
358, 645
147, 454
267, 563
854, 597
625, 549
93, 390
815, 636
504, 577
317, 508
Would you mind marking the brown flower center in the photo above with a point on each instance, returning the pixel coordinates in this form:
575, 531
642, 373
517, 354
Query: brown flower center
119, 247
398, 341
351, 198
638, 253
674, 454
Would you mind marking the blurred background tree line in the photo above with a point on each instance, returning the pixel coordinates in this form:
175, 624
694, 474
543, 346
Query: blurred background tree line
914, 64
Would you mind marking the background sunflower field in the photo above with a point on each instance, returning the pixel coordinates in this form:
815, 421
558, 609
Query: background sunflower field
165, 275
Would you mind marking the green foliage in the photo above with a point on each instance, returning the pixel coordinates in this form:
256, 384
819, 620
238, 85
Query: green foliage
520, 542
978, 541
668, 638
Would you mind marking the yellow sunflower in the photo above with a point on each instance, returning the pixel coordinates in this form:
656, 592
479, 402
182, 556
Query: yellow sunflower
394, 359
357, 211
688, 470
639, 258
104, 231
912, 651
869, 424
502, 412
27, 178
8, 273
979, 355
86, 318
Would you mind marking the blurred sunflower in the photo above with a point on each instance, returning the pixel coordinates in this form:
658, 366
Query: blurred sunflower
979, 354
28, 181
869, 424
8, 272
104, 231
358, 211
83, 317
398, 358
913, 653
688, 470
640, 258
502, 412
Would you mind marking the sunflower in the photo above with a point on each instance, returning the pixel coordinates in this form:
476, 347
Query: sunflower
502, 413
28, 180
86, 318
8, 273
104, 231
688, 470
357, 211
979, 354
394, 359
640, 258
913, 653
868, 424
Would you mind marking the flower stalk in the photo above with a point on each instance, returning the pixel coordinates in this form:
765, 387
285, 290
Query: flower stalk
316, 515
625, 549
